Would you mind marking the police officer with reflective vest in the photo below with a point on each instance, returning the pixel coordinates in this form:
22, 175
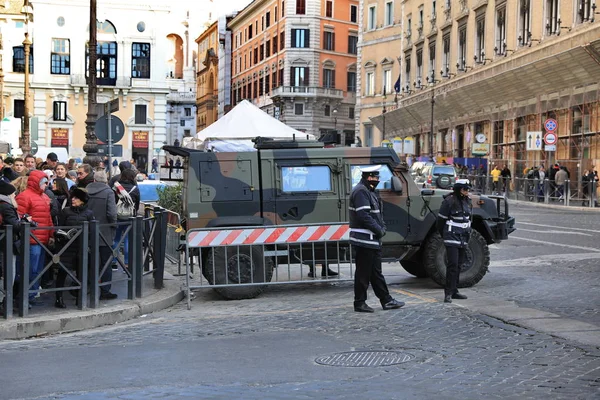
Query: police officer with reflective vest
454, 225
366, 230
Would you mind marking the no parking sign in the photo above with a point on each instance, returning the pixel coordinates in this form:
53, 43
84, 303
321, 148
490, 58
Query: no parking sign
550, 125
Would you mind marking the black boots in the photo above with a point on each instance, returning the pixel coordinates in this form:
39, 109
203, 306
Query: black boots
326, 272
458, 296
363, 307
59, 303
392, 304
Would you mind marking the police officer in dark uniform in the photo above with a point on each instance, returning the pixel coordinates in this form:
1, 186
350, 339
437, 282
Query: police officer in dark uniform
366, 230
454, 225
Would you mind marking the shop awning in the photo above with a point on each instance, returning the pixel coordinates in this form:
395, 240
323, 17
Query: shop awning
533, 83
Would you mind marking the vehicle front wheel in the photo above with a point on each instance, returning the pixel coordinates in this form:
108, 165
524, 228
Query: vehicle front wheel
471, 272
230, 266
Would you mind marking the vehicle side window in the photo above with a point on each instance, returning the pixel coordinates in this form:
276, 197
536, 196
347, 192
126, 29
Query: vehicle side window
385, 175
315, 178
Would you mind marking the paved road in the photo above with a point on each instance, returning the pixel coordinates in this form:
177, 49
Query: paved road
268, 347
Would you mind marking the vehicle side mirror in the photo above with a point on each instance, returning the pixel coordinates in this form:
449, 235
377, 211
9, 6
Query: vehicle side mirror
427, 192
396, 185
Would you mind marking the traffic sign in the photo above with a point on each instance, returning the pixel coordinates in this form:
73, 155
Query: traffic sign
117, 129
550, 147
34, 148
111, 106
550, 125
534, 141
550, 138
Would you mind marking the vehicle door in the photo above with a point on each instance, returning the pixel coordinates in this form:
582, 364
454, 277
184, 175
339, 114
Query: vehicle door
307, 192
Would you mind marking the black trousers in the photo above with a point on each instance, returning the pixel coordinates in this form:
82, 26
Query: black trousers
368, 270
456, 258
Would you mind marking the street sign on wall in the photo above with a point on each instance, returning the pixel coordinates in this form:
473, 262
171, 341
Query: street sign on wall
480, 149
534, 141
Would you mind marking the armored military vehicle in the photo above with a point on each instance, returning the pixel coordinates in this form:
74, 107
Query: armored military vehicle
300, 182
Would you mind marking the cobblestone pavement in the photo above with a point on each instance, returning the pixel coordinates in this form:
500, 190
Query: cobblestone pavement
552, 263
266, 347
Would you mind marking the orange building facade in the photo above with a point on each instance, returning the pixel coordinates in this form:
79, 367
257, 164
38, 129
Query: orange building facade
296, 60
207, 77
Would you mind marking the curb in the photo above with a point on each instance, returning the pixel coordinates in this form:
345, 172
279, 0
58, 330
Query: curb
553, 206
22, 328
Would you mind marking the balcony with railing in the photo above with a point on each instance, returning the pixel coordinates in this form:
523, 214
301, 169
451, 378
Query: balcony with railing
307, 91
182, 97
81, 80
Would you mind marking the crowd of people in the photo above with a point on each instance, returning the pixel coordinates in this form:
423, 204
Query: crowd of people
56, 198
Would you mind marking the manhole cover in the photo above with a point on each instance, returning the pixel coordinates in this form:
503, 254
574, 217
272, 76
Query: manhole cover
365, 359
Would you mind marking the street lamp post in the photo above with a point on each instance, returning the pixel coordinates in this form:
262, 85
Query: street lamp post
91, 140
432, 82
335, 126
383, 111
25, 137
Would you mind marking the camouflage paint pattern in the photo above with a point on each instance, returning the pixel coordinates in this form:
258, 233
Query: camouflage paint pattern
246, 189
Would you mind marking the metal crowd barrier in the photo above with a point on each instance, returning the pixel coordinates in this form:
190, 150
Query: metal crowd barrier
257, 256
538, 190
147, 249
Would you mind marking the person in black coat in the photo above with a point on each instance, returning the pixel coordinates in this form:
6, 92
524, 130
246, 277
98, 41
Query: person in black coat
367, 227
73, 216
127, 180
103, 206
454, 226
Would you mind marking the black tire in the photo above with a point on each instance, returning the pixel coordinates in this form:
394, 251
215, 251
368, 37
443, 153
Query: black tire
415, 268
474, 269
443, 182
253, 268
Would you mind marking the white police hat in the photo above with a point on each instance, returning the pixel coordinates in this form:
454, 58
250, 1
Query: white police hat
462, 184
370, 170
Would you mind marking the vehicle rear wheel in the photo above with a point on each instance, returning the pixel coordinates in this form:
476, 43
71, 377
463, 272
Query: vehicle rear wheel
230, 266
415, 268
471, 272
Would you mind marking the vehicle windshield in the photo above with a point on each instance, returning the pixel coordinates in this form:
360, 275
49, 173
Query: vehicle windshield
385, 175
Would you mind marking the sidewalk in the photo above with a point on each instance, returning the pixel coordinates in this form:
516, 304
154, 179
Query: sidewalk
46, 319
553, 205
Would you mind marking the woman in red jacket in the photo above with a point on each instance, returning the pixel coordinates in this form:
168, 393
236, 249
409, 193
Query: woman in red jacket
35, 203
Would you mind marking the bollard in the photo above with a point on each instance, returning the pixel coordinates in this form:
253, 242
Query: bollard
567, 193
23, 271
133, 260
82, 296
94, 263
9, 271
158, 245
136, 254
546, 191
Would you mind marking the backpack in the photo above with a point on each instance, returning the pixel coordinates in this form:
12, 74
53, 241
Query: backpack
125, 204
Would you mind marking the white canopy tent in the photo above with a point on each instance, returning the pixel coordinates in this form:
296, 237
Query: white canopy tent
235, 131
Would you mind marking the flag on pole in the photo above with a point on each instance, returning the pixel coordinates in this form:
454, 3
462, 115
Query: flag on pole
397, 84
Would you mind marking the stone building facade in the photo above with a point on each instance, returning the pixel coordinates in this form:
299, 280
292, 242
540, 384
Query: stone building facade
500, 68
296, 60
